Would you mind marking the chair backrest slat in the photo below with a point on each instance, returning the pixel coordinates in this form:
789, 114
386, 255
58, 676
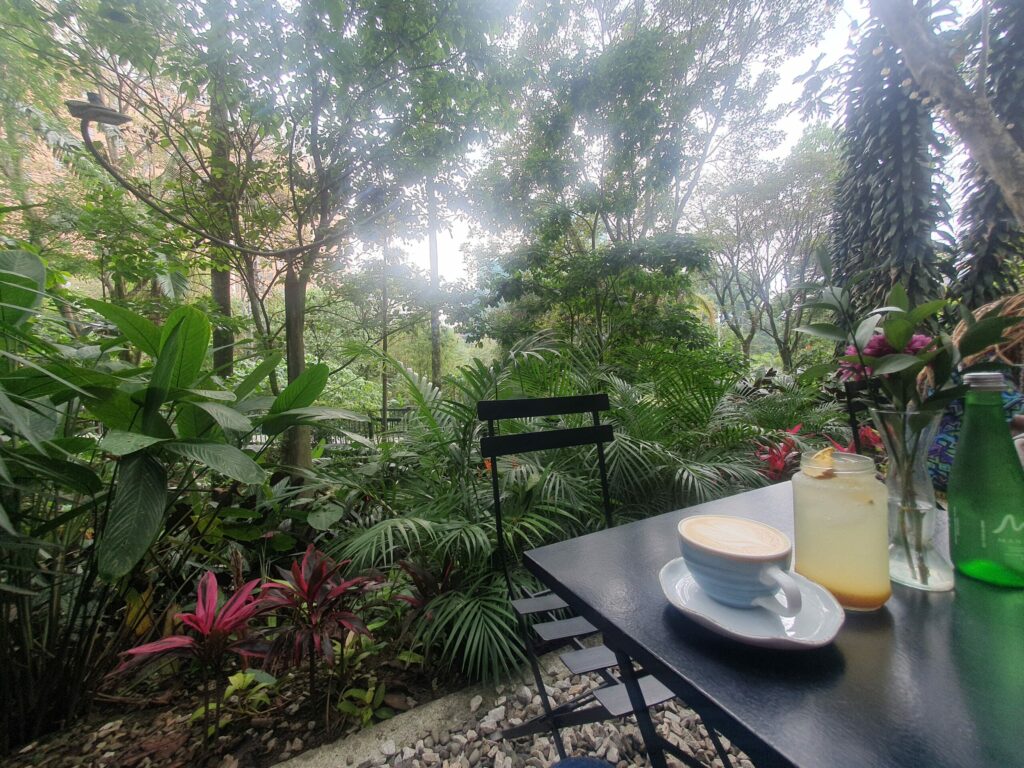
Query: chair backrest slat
525, 408
494, 445
525, 442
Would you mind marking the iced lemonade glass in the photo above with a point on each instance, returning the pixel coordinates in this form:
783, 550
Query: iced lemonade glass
841, 522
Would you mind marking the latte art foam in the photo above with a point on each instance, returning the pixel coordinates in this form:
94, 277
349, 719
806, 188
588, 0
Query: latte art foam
734, 536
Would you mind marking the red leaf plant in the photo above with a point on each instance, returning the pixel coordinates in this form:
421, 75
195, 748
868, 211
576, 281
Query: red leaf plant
780, 459
426, 586
870, 441
213, 633
315, 605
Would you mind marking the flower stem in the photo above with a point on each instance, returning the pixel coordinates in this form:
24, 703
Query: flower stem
912, 529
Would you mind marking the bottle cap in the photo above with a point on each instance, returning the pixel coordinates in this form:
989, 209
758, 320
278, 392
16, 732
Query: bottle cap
985, 382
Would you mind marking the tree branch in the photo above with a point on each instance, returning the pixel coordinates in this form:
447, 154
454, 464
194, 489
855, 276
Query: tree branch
968, 112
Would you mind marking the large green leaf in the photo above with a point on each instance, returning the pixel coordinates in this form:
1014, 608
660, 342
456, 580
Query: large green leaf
865, 330
22, 281
196, 419
139, 330
275, 423
160, 380
193, 334
136, 515
115, 409
304, 390
20, 419
226, 416
6, 524
898, 329
896, 363
192, 422
258, 374
985, 333
57, 380
30, 468
823, 330
323, 517
898, 297
120, 443
225, 459
926, 310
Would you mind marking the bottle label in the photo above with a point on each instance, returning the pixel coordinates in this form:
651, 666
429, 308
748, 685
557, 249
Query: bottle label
1009, 523
1008, 536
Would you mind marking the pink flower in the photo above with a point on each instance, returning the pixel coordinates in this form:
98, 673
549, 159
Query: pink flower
917, 343
877, 346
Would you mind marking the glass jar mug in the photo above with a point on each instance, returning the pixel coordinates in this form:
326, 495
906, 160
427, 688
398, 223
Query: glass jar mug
841, 522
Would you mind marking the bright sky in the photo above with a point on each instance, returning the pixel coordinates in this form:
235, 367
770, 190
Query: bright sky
833, 44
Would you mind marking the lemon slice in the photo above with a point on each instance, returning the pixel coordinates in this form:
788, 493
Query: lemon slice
821, 465
825, 456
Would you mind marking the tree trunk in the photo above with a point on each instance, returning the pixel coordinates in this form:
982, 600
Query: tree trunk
969, 113
384, 342
221, 192
745, 343
297, 451
786, 355
435, 286
223, 336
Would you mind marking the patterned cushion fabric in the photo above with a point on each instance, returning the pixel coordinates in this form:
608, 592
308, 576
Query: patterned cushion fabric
942, 451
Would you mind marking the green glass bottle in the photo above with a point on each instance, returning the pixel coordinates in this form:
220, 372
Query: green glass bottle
986, 490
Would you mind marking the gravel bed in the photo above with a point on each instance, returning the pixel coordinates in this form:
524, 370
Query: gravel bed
477, 741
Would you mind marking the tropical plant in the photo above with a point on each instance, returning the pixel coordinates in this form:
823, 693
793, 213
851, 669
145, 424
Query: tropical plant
122, 454
991, 246
316, 607
247, 693
214, 634
892, 218
893, 344
365, 704
420, 497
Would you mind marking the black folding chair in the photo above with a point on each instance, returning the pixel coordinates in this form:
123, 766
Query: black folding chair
541, 615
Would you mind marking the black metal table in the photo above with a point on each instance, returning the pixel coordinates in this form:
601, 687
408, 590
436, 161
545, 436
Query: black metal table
932, 679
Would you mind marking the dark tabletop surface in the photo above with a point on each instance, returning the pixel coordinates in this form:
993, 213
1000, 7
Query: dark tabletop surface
931, 679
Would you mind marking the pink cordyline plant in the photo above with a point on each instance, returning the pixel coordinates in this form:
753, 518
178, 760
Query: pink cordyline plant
315, 604
214, 633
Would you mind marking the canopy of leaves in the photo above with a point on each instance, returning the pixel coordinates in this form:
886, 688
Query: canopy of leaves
991, 247
892, 222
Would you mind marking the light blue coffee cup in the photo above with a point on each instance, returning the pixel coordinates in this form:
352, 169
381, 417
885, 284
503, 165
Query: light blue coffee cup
740, 563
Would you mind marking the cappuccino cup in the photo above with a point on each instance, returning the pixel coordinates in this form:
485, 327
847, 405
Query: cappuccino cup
740, 563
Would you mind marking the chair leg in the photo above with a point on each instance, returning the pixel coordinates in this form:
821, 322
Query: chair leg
643, 716
719, 748
556, 734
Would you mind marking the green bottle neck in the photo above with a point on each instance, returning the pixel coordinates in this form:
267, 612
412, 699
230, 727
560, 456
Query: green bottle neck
984, 398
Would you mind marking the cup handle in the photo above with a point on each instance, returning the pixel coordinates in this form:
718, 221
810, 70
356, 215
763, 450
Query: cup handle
789, 588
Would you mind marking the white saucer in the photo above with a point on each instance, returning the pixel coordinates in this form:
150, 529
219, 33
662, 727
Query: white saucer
816, 624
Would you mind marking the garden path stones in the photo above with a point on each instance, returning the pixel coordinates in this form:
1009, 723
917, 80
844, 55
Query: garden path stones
463, 730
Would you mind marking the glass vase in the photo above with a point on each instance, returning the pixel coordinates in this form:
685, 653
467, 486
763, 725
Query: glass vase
913, 559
